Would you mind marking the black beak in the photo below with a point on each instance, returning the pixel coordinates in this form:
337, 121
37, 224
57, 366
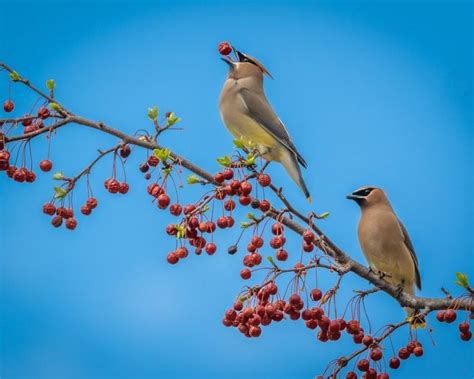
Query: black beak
352, 197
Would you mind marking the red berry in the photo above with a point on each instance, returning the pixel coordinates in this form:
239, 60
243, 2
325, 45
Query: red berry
245, 200
144, 167
363, 365
222, 222
124, 187
277, 228
19, 175
49, 209
46, 165
351, 375
294, 299
153, 161
440, 316
466, 336
163, 201
277, 242
56, 221
125, 151
383, 375
181, 252
245, 274
229, 205
224, 48
403, 353
265, 205
91, 202
8, 106
316, 294
228, 174
394, 363
245, 188
418, 351
334, 326
308, 247
86, 210
257, 241
30, 176
464, 327
71, 223
450, 316
376, 354
264, 180
282, 255
172, 258
43, 112
27, 121
308, 236
211, 248
219, 177
367, 340
176, 209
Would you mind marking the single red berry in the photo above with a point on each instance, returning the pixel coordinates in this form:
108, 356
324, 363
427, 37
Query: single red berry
308, 247
125, 151
219, 177
238, 305
394, 363
222, 222
49, 209
376, 354
308, 236
71, 223
124, 187
466, 336
172, 258
363, 365
257, 241
163, 201
316, 294
176, 209
91, 202
367, 340
403, 353
228, 174
334, 326
46, 165
282, 255
440, 316
371, 374
144, 167
229, 205
224, 48
86, 210
56, 221
264, 180
351, 375
464, 327
245, 274
265, 205
418, 351
245, 188
147, 176
43, 112
211, 248
153, 161
277, 242
383, 375
8, 106
357, 338
30, 176
294, 299
245, 200
27, 120
182, 252
450, 316
19, 175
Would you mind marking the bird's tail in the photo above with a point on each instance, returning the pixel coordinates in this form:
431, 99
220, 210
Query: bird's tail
289, 160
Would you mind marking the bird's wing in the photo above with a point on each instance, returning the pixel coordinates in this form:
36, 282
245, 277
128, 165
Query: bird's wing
410, 247
261, 111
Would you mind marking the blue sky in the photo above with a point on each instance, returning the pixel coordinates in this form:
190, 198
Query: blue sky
372, 93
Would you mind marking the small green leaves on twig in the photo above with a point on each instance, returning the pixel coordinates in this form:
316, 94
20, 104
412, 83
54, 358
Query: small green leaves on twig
55, 107
193, 179
224, 161
324, 215
58, 176
251, 158
171, 119
180, 231
50, 84
14, 76
239, 143
59, 193
162, 154
153, 113
272, 262
462, 280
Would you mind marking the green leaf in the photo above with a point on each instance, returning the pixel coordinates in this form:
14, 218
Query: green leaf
59, 193
181, 231
250, 216
171, 119
153, 113
14, 76
324, 215
224, 161
251, 158
166, 170
50, 84
244, 225
239, 143
462, 280
55, 107
193, 179
162, 154
270, 259
58, 176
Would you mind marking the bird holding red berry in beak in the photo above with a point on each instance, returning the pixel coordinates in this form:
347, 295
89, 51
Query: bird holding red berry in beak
249, 117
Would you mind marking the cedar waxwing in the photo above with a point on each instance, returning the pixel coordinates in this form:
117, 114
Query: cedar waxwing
247, 114
385, 241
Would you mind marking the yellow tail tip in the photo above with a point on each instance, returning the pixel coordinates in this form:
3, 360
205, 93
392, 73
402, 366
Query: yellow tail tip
310, 199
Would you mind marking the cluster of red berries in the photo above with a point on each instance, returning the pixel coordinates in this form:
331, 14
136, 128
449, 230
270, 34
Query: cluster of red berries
162, 199
152, 161
193, 230
34, 123
114, 186
90, 204
4, 160
20, 175
59, 214
449, 316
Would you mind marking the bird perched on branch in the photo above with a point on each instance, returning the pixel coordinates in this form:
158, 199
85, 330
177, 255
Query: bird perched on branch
385, 241
247, 114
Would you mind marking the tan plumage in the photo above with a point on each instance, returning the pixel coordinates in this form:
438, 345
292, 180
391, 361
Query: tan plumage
385, 241
248, 115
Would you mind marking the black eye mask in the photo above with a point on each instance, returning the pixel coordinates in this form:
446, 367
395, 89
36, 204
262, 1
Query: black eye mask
363, 192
